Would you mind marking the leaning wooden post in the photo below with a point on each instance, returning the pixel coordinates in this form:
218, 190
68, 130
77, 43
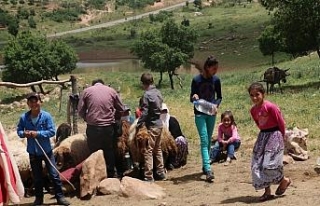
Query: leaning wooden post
74, 98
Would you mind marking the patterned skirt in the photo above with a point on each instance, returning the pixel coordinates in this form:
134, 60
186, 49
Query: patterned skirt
181, 158
267, 160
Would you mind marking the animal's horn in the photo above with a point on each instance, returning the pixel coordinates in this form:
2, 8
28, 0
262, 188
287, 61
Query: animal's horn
286, 70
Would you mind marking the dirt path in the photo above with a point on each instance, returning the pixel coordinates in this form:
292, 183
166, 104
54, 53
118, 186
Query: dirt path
232, 186
119, 21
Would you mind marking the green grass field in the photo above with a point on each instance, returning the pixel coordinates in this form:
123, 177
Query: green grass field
233, 39
299, 101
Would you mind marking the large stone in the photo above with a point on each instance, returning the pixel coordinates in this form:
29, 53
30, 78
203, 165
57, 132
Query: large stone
109, 186
131, 187
93, 172
287, 159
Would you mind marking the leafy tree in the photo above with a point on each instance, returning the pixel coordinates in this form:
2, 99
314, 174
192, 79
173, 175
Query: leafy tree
32, 22
31, 2
22, 13
13, 26
185, 22
270, 42
198, 4
29, 58
167, 49
297, 22
64, 58
14, 2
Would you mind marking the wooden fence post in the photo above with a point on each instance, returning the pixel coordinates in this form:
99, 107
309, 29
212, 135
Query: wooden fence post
74, 98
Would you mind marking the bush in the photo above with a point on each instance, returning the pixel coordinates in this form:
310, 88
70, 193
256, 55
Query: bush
60, 15
32, 23
22, 13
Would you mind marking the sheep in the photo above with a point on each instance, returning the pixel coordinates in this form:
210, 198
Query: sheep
122, 148
71, 151
138, 140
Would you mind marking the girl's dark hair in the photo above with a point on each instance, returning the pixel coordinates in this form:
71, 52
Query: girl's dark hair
256, 86
211, 61
146, 79
228, 113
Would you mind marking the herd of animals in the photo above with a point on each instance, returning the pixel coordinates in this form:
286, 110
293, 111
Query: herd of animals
71, 150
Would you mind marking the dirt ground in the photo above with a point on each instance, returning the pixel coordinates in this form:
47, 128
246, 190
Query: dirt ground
232, 186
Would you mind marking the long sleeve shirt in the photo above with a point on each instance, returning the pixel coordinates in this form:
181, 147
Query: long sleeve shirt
45, 130
268, 115
98, 105
208, 89
151, 108
227, 133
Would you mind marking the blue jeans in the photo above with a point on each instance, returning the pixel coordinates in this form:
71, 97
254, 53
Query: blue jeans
37, 171
217, 148
205, 125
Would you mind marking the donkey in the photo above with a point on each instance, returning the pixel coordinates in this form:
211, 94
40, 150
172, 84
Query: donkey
274, 75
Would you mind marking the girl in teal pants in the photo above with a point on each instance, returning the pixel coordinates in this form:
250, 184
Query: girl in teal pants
206, 86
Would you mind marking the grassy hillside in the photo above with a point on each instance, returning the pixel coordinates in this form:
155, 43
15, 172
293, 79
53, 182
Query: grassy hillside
228, 31
299, 102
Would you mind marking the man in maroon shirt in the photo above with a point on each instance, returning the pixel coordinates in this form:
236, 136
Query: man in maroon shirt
98, 106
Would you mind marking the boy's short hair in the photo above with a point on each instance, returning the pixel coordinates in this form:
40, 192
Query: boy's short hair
146, 79
33, 95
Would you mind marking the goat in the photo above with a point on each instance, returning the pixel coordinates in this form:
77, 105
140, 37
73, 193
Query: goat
274, 75
63, 132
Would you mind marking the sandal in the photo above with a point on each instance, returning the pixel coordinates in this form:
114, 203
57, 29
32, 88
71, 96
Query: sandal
281, 191
266, 197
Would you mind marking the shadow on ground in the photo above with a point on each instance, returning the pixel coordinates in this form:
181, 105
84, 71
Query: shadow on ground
187, 178
246, 199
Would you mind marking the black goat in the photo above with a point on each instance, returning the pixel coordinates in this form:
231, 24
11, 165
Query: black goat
63, 132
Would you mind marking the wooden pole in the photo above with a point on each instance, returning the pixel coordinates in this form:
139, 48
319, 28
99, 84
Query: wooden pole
74, 97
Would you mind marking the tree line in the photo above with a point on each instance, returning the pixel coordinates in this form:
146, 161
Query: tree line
294, 29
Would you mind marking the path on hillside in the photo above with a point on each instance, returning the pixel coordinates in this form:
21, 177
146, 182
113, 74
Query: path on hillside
119, 21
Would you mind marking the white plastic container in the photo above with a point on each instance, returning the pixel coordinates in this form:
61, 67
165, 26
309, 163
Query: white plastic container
205, 107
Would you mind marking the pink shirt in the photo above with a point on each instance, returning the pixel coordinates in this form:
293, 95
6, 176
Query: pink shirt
267, 116
227, 133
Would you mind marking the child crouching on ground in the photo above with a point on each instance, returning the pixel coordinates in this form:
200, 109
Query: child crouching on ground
228, 138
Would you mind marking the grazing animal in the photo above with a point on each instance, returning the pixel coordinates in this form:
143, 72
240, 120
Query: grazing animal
71, 152
122, 148
273, 76
138, 142
63, 132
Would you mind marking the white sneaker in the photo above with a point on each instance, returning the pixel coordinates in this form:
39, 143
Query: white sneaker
228, 161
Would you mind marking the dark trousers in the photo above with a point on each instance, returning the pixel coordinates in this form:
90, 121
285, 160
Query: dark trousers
103, 138
37, 171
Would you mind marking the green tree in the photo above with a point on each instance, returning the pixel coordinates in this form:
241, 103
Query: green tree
29, 58
198, 4
167, 49
270, 42
298, 24
32, 22
64, 58
13, 26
